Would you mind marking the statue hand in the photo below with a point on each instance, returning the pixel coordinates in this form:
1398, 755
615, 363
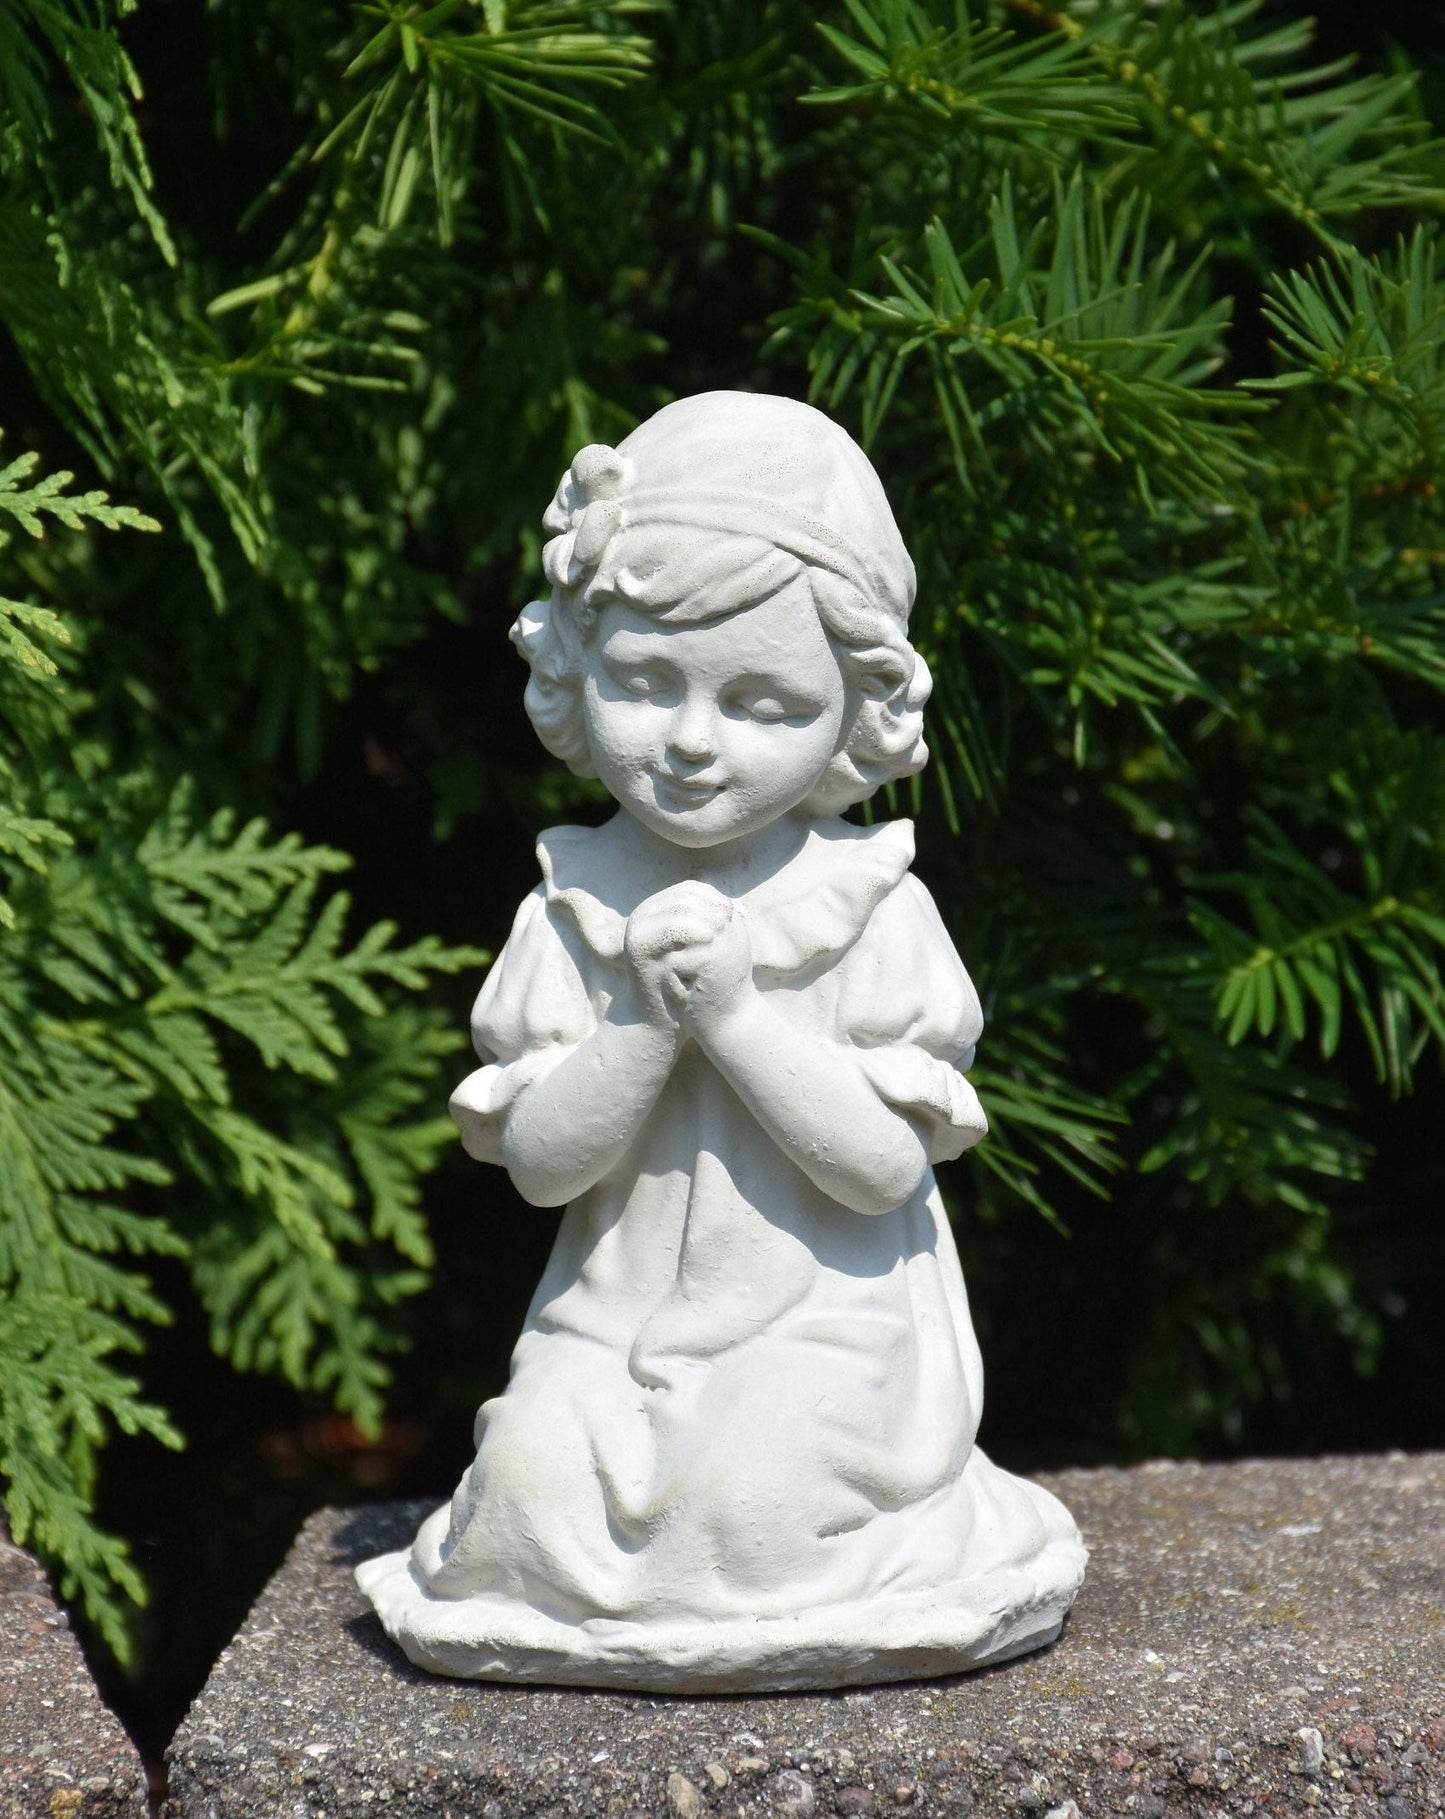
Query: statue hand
687, 953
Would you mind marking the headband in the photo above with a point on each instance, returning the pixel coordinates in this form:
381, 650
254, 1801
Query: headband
773, 473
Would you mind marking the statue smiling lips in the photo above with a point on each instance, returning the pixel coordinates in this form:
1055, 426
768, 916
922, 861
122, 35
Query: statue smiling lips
729, 1032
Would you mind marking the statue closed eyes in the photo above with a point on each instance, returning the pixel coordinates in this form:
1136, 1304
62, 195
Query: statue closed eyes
730, 1033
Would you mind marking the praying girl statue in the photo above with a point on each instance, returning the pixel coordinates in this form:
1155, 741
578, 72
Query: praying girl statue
729, 1033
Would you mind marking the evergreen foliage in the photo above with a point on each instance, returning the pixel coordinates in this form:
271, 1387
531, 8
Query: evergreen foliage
151, 950
1139, 308
147, 952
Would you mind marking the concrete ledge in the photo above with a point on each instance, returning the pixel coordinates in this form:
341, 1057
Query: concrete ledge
62, 1754
1260, 1637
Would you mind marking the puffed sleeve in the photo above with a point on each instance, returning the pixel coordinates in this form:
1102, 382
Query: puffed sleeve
530, 1014
910, 1009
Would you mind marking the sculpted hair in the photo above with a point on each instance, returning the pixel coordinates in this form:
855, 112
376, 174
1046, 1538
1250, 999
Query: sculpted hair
738, 528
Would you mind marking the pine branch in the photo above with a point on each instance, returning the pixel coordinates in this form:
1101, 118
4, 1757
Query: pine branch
1302, 141
1037, 1125
17, 620
1098, 621
424, 72
69, 1310
1236, 1120
22, 622
1315, 950
74, 510
125, 381
1370, 329
1074, 331
84, 46
138, 962
59, 1391
977, 78
202, 878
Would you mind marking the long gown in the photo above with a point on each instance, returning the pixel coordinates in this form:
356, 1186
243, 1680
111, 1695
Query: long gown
736, 1450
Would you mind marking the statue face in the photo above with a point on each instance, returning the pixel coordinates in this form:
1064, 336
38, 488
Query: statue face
706, 732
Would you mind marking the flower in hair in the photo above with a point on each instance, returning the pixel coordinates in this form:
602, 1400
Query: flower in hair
586, 513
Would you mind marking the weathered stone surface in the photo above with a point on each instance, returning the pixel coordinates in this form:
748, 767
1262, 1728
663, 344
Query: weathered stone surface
62, 1754
1260, 1637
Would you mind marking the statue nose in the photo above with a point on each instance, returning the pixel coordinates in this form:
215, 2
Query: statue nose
690, 733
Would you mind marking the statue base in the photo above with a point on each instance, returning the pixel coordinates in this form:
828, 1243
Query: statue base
972, 1624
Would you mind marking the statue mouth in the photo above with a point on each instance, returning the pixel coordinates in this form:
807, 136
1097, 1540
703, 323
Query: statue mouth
691, 790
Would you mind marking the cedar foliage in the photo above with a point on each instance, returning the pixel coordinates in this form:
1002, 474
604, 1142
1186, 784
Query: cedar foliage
1139, 308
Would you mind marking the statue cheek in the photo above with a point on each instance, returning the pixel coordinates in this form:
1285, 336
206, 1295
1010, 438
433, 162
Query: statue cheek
613, 727
627, 741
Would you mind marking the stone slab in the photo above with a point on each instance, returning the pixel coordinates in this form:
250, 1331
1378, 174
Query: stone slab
1266, 1637
62, 1754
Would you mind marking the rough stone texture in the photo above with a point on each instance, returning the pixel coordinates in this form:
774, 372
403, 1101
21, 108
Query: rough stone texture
1261, 1637
62, 1754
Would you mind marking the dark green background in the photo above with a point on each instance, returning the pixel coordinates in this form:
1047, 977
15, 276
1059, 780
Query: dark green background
1073, 1328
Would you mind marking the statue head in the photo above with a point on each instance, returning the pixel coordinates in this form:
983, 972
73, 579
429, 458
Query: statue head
747, 511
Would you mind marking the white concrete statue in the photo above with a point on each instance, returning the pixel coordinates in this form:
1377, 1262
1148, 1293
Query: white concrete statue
729, 1032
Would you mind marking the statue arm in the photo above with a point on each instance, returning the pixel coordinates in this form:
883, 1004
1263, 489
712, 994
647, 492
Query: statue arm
815, 1100
562, 1096
569, 1126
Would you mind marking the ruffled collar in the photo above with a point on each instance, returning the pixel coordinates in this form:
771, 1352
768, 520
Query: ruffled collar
810, 909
